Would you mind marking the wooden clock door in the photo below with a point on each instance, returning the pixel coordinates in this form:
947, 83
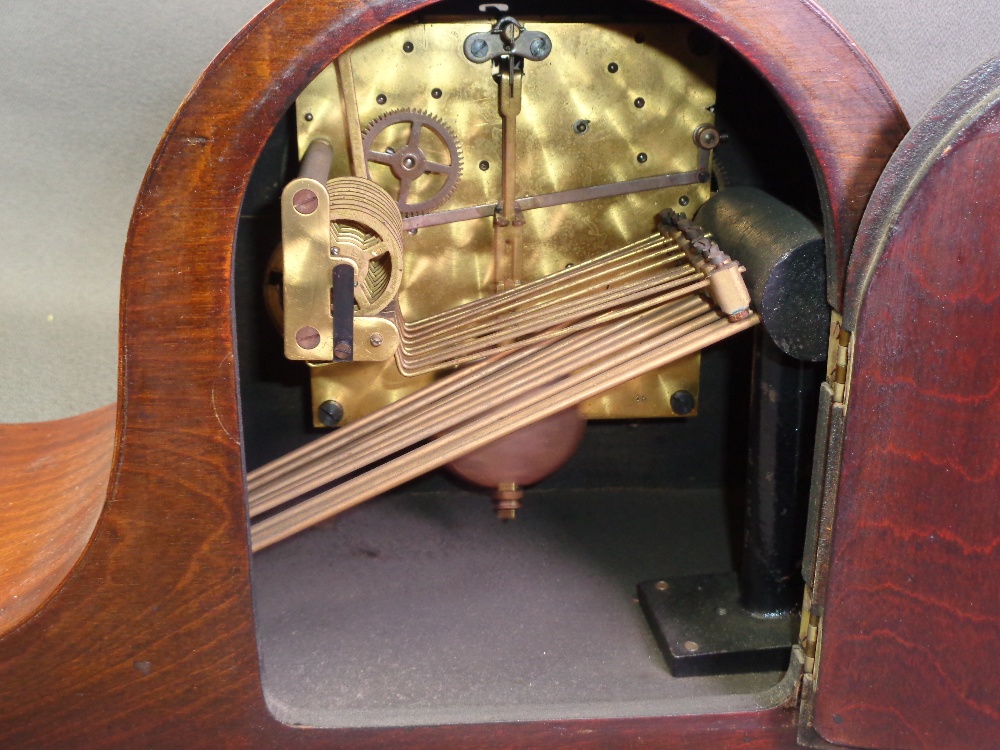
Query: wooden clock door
906, 592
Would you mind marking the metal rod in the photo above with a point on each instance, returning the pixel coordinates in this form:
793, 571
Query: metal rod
541, 323
548, 308
345, 72
508, 419
559, 278
558, 198
542, 296
549, 364
316, 161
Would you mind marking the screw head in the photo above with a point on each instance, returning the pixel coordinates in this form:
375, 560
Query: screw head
342, 350
642, 157
662, 586
539, 46
484, 165
581, 126
309, 117
691, 646
436, 93
407, 46
307, 337
305, 201
376, 339
682, 402
381, 99
330, 413
479, 48
613, 67
683, 200
639, 102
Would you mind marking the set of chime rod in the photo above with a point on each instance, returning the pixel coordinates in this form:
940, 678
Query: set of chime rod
473, 407
607, 287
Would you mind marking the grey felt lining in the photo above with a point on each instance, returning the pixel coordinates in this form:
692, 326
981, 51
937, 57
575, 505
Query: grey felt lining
422, 608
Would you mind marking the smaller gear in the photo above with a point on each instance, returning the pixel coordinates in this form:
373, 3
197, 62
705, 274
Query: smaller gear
408, 161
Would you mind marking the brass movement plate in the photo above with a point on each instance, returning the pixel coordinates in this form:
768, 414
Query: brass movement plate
450, 264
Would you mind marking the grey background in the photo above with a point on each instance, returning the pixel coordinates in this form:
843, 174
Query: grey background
87, 89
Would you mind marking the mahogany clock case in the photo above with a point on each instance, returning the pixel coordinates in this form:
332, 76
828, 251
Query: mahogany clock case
150, 640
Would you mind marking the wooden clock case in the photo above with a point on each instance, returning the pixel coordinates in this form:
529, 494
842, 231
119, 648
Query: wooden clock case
145, 636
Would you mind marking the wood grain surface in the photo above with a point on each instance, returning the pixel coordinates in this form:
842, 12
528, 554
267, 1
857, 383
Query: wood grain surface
53, 481
912, 617
150, 643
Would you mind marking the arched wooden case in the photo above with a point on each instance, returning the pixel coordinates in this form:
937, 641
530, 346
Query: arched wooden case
149, 641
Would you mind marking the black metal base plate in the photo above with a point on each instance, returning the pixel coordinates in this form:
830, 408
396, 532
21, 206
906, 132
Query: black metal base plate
703, 629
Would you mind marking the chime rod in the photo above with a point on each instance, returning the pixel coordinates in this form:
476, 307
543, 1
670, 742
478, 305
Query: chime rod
415, 405
455, 402
612, 314
619, 276
590, 382
549, 364
401, 409
441, 358
533, 318
651, 257
559, 278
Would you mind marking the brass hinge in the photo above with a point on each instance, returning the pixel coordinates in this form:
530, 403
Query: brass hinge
811, 643
841, 354
809, 634
811, 646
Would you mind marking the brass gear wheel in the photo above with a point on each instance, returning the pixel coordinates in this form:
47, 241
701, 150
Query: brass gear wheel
408, 161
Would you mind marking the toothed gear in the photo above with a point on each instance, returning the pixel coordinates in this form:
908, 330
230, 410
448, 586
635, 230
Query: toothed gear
408, 161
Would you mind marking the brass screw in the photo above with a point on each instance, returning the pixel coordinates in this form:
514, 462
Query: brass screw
342, 350
305, 201
691, 646
662, 585
307, 337
376, 339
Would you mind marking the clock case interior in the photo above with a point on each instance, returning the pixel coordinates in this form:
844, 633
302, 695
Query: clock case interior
420, 607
